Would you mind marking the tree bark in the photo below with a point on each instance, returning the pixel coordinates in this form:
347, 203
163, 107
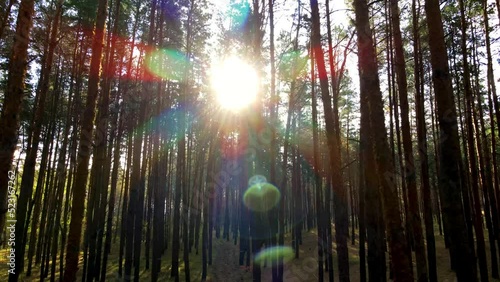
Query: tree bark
471, 130
449, 150
14, 94
371, 95
317, 168
84, 150
414, 219
422, 146
341, 216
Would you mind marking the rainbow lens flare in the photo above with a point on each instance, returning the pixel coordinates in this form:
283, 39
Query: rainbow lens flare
274, 254
238, 14
292, 65
167, 64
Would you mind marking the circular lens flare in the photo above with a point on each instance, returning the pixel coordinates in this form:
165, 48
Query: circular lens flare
235, 83
261, 197
274, 254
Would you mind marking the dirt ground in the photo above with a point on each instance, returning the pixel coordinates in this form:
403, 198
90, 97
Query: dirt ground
225, 265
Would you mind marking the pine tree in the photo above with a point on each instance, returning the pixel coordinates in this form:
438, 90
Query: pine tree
449, 150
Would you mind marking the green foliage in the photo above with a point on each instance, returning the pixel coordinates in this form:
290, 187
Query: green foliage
84, 10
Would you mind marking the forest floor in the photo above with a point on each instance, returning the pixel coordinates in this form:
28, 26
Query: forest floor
225, 266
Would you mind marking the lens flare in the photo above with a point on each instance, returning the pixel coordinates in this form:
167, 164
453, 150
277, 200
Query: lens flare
261, 197
257, 179
274, 254
167, 64
292, 65
166, 125
238, 14
235, 83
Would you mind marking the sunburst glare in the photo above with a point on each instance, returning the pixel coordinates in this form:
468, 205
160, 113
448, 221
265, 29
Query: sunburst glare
235, 83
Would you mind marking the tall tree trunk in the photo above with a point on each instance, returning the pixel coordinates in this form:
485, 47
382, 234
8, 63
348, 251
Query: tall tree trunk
112, 195
485, 165
101, 163
371, 95
317, 168
464, 172
339, 188
129, 127
478, 220
394, 104
84, 150
492, 91
491, 86
181, 147
61, 181
9, 118
274, 214
341, 216
422, 146
409, 164
449, 150
206, 195
125, 205
185, 173
371, 198
78, 58
362, 214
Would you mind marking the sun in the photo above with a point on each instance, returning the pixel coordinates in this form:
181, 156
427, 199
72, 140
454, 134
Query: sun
235, 83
